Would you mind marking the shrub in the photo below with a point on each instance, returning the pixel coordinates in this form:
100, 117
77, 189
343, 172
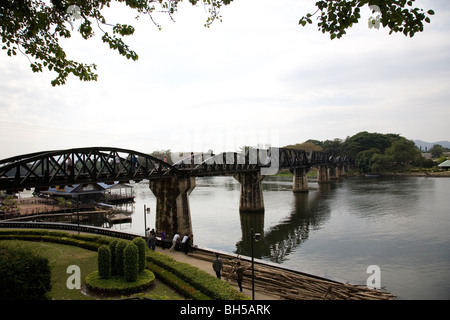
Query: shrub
112, 249
23, 275
131, 262
119, 286
120, 247
142, 246
104, 262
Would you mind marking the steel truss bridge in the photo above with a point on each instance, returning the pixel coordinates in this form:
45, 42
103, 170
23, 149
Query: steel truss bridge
109, 165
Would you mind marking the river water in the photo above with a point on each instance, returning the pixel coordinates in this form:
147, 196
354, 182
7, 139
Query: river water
336, 230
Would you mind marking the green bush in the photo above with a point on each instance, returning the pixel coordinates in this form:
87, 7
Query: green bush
118, 285
142, 246
112, 249
23, 275
120, 247
131, 262
104, 262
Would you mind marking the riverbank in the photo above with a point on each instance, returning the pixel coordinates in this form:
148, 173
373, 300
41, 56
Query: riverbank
438, 174
274, 282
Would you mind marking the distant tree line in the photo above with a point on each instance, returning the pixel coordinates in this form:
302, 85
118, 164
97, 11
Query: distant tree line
376, 152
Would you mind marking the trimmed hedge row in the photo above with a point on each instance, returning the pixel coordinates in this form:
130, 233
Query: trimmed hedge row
188, 280
199, 279
176, 283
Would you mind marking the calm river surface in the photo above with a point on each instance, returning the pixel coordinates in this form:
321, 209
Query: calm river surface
400, 224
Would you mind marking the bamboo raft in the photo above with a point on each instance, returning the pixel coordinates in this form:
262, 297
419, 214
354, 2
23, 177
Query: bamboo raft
289, 284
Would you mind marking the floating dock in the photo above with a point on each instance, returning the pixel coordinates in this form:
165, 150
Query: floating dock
118, 218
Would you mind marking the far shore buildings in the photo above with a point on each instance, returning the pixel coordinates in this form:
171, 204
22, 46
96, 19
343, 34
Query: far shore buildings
445, 165
93, 192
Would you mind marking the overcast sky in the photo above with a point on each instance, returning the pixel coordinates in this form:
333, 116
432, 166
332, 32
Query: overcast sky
257, 77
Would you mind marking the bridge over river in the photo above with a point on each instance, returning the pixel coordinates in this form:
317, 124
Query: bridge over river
170, 183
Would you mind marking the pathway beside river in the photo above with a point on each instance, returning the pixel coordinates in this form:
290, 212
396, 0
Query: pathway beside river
277, 283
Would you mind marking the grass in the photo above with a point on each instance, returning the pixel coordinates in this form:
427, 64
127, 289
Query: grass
62, 256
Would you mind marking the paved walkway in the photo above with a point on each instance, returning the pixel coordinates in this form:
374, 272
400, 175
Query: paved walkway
207, 267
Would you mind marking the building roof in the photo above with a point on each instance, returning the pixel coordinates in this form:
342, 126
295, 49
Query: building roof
445, 164
85, 189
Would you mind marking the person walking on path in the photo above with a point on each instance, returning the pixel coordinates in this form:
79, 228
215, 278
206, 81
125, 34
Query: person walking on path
147, 237
217, 266
185, 243
175, 239
240, 275
163, 239
152, 240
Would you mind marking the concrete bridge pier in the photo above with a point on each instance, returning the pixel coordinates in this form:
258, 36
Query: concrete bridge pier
323, 176
251, 199
300, 183
334, 172
341, 171
173, 214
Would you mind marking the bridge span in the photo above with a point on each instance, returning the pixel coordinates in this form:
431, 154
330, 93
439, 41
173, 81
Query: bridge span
170, 183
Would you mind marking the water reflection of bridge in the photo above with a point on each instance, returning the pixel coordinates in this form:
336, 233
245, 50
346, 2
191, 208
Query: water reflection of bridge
309, 212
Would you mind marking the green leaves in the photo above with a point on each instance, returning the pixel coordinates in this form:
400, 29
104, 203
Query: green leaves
336, 16
35, 27
123, 29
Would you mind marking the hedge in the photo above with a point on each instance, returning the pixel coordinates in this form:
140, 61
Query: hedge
199, 279
130, 262
23, 275
188, 279
119, 285
104, 262
142, 246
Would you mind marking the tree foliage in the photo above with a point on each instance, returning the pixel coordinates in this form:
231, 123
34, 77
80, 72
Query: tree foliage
34, 27
372, 152
436, 151
336, 16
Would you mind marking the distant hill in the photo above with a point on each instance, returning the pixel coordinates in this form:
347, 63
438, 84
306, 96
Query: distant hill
428, 145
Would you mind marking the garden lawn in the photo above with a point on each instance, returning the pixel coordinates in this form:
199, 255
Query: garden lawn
62, 256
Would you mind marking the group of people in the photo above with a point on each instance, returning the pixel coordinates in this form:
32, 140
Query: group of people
186, 242
218, 267
186, 245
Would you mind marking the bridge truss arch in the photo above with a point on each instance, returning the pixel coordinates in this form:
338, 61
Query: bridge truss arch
225, 163
80, 165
